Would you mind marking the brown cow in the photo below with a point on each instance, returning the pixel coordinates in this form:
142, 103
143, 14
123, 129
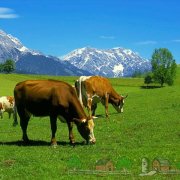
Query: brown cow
52, 98
94, 89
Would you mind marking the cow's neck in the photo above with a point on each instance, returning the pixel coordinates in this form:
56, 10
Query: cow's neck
114, 94
78, 111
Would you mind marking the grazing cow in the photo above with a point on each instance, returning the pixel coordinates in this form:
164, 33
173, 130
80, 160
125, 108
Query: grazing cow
7, 105
94, 89
55, 99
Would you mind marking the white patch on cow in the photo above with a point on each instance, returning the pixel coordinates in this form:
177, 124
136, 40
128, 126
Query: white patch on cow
81, 93
122, 110
83, 120
84, 78
6, 106
91, 127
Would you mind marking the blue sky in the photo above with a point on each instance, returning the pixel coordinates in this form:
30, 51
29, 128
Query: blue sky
56, 27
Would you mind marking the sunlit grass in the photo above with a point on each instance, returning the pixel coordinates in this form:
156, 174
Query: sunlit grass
149, 127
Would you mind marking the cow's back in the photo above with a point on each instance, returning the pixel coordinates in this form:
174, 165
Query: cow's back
41, 97
98, 85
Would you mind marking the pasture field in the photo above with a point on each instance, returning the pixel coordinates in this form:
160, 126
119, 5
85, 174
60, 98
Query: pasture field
149, 127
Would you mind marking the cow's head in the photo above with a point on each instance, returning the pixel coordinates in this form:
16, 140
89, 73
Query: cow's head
118, 103
85, 128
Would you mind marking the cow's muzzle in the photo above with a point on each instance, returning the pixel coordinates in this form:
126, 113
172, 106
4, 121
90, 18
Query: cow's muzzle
92, 139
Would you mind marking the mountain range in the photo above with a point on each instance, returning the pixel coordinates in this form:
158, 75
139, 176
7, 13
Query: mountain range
114, 62
33, 62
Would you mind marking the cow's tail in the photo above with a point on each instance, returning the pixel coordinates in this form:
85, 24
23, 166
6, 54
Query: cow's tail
15, 116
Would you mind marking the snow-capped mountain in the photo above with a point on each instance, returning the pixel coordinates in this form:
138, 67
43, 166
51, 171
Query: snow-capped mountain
11, 47
114, 62
33, 62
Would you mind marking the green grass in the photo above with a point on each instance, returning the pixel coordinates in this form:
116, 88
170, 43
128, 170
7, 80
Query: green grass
149, 127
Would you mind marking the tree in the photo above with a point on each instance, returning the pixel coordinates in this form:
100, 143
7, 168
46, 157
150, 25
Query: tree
8, 66
148, 79
163, 66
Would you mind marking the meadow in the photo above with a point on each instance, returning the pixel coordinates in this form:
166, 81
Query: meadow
149, 127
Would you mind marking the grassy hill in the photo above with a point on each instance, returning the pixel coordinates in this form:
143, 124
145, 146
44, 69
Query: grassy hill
149, 127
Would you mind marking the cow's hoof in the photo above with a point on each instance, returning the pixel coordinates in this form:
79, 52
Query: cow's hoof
25, 139
54, 146
25, 142
72, 143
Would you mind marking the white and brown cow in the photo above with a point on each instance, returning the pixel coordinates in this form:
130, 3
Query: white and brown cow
7, 104
94, 89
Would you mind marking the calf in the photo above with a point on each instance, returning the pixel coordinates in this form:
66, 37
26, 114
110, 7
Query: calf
7, 104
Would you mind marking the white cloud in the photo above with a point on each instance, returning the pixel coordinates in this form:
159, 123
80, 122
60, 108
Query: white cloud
7, 13
107, 37
146, 42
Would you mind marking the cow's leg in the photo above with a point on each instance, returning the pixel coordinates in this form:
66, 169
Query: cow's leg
53, 121
71, 136
24, 119
89, 104
9, 114
15, 116
1, 114
106, 104
94, 106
